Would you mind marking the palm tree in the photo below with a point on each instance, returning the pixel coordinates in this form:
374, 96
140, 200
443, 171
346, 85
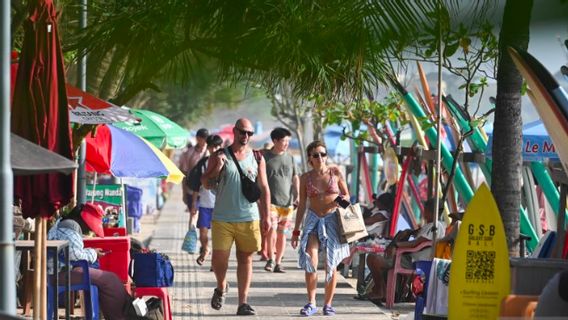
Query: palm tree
507, 132
332, 48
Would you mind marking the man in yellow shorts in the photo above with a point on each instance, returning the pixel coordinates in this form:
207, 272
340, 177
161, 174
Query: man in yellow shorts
235, 218
284, 186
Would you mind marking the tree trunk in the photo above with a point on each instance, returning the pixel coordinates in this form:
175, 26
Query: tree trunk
507, 131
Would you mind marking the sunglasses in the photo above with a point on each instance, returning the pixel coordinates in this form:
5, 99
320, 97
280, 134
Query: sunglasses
318, 155
244, 132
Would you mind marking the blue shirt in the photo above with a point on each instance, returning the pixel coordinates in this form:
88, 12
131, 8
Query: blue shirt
327, 230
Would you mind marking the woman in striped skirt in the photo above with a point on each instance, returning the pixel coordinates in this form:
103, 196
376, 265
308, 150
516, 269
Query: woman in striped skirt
322, 186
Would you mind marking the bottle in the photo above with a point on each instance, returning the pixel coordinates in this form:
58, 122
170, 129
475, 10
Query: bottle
190, 241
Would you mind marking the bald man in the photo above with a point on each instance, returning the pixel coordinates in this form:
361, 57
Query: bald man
236, 219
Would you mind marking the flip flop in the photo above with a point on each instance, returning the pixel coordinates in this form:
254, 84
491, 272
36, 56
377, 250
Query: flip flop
202, 255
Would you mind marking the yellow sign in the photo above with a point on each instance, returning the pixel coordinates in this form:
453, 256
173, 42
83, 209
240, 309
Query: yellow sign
480, 274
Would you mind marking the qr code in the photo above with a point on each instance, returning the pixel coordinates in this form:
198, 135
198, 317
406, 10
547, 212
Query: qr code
480, 265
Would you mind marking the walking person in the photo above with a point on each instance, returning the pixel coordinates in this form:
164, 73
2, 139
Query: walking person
322, 185
235, 218
189, 159
284, 184
203, 210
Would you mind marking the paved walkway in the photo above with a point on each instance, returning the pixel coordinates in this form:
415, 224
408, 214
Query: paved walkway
274, 296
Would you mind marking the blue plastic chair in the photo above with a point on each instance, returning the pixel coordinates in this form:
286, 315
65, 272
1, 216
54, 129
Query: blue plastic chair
90, 291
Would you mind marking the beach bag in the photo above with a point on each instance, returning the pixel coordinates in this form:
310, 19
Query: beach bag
189, 244
350, 219
151, 269
250, 188
351, 223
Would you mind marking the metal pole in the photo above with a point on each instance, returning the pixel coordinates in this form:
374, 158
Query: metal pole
7, 267
439, 144
82, 84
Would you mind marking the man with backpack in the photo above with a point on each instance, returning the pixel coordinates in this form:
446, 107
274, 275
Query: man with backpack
206, 198
238, 175
189, 159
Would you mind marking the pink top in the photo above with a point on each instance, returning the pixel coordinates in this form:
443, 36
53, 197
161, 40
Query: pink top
332, 186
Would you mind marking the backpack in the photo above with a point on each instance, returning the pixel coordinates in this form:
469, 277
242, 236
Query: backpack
193, 177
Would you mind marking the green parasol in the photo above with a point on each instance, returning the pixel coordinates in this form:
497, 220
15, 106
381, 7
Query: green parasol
157, 129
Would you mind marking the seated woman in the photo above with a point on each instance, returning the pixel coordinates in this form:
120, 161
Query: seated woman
380, 264
112, 294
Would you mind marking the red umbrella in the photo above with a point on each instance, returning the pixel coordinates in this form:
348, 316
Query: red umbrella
40, 112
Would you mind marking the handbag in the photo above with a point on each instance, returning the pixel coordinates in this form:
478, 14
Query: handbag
351, 223
189, 244
251, 191
151, 269
350, 219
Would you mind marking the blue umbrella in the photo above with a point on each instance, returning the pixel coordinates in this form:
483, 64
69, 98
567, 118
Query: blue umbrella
537, 144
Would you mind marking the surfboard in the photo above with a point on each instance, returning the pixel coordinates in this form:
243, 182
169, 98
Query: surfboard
550, 113
480, 273
462, 185
479, 144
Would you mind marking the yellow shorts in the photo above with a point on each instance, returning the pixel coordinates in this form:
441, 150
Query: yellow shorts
280, 216
246, 235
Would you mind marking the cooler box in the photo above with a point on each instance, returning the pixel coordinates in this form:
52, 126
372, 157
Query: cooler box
115, 232
117, 259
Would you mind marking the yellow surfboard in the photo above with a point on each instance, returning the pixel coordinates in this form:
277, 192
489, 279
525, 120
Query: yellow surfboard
480, 274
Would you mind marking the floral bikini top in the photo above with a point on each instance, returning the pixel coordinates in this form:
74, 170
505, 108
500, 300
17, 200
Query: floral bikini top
332, 186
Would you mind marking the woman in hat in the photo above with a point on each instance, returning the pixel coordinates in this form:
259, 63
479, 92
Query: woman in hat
112, 294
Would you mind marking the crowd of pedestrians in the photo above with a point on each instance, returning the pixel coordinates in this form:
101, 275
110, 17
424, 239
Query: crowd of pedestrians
260, 224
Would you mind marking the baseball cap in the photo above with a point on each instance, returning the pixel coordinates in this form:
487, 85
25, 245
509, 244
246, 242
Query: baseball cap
202, 133
92, 215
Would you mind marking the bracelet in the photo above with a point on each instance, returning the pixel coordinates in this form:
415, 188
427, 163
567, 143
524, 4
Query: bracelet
296, 233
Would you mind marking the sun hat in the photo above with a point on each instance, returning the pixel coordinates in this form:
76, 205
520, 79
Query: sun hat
92, 215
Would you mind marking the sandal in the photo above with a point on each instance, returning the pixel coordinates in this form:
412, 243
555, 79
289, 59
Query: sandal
279, 269
308, 310
218, 297
245, 310
269, 265
328, 310
202, 255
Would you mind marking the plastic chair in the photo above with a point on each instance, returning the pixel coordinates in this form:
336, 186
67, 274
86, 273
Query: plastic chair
161, 293
90, 292
398, 269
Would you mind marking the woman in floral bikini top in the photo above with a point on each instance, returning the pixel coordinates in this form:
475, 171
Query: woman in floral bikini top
321, 185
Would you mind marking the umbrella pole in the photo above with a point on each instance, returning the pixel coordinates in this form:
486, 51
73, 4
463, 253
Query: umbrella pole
123, 211
94, 188
44, 269
37, 268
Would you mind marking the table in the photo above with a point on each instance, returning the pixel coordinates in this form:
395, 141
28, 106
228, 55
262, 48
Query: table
54, 247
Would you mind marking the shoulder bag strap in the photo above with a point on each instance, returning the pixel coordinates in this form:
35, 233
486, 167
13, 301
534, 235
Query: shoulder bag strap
236, 161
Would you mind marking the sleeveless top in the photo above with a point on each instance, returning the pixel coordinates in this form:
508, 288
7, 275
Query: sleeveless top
332, 186
230, 203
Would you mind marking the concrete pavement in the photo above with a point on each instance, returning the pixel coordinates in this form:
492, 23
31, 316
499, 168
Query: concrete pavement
273, 295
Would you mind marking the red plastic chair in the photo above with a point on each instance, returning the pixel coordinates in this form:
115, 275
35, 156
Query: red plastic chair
161, 293
398, 269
